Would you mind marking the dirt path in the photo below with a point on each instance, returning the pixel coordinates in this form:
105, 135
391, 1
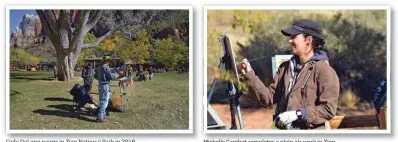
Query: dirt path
261, 118
252, 118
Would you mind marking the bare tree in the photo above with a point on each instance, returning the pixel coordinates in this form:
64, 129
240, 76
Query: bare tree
154, 20
134, 20
66, 30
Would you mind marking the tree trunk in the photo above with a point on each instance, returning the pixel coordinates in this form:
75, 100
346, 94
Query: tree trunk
68, 42
65, 68
75, 54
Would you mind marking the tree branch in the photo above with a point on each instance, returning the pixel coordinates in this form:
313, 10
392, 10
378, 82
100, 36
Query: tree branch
80, 29
96, 16
64, 22
44, 22
97, 41
151, 18
126, 35
130, 24
48, 29
50, 18
79, 20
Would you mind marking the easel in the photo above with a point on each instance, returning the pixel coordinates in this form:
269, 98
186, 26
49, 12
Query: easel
227, 61
122, 92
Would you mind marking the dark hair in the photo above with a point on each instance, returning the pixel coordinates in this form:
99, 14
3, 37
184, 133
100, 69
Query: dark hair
318, 44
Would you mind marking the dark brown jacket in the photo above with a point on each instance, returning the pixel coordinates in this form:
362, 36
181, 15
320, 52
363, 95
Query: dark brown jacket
315, 92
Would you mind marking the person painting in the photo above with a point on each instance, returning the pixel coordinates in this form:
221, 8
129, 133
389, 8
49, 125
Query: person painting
305, 88
104, 77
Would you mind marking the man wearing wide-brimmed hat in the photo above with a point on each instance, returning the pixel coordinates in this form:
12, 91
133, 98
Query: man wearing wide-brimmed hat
104, 77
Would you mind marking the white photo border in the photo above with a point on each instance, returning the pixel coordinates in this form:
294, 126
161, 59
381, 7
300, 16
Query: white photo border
204, 99
100, 131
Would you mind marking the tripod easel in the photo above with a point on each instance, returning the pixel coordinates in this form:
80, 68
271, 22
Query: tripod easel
227, 61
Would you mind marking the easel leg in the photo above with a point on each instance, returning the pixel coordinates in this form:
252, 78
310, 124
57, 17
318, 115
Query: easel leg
213, 85
237, 106
232, 109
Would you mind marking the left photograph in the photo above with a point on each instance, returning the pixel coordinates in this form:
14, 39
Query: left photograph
96, 69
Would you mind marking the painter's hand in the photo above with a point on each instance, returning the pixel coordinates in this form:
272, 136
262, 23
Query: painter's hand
245, 66
285, 119
121, 73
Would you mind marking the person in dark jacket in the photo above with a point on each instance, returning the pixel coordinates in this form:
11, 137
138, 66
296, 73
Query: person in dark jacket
80, 97
88, 77
141, 72
305, 88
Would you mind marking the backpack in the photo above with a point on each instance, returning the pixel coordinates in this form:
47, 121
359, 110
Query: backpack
77, 90
79, 94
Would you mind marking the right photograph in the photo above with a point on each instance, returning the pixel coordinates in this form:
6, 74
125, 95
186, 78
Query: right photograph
297, 69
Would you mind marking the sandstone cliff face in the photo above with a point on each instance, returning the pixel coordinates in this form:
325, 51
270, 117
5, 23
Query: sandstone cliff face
28, 33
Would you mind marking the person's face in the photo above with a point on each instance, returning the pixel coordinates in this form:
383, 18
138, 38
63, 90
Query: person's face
107, 62
300, 45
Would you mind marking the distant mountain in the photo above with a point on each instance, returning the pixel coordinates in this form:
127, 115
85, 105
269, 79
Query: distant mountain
28, 33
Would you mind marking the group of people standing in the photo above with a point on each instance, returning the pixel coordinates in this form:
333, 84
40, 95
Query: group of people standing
143, 75
104, 75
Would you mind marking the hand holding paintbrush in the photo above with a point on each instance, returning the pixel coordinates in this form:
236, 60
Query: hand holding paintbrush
244, 66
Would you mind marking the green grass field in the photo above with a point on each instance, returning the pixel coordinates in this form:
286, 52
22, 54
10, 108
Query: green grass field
37, 102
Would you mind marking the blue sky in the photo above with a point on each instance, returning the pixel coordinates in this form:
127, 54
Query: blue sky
16, 17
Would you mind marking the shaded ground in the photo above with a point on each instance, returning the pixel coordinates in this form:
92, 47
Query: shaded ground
256, 117
36, 102
261, 118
